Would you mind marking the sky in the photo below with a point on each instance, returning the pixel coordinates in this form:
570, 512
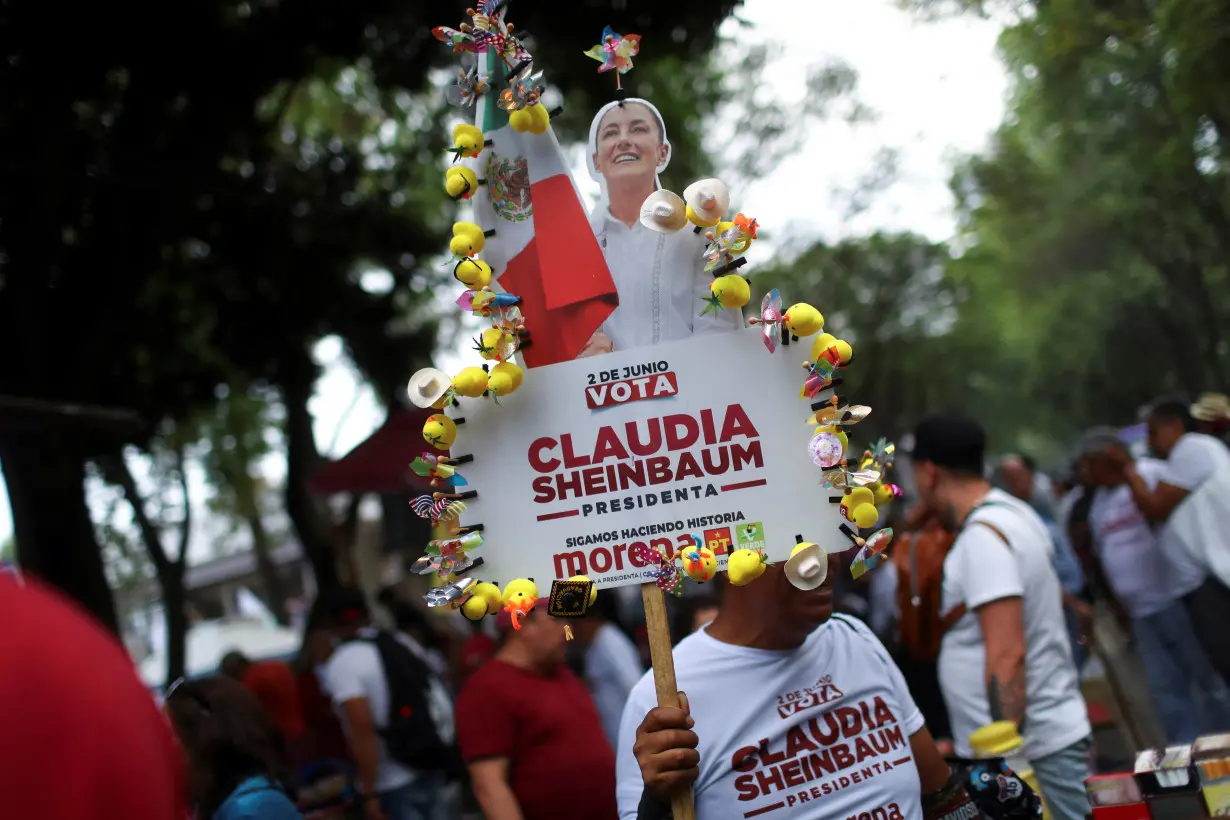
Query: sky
938, 90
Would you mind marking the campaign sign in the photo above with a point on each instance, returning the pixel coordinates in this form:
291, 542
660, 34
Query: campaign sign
702, 439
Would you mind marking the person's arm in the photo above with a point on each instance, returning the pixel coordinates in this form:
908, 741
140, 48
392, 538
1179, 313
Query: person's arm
364, 743
993, 590
1156, 503
933, 772
489, 779
1003, 631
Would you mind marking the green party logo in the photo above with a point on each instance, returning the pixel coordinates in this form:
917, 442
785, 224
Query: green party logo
750, 535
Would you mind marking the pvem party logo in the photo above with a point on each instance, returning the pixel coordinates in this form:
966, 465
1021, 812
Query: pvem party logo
638, 382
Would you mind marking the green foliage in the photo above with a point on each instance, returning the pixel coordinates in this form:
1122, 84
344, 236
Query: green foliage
1097, 228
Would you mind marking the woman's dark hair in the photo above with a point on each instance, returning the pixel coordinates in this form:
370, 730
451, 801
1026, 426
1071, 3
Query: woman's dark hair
229, 737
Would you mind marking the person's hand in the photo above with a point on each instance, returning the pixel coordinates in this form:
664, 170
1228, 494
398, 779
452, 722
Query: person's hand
1084, 619
372, 810
597, 345
665, 750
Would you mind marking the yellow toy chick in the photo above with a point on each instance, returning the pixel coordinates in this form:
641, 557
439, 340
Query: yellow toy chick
468, 141
470, 382
440, 431
460, 182
468, 239
504, 379
533, 119
826, 340
731, 291
699, 563
745, 566
801, 319
485, 599
519, 598
858, 507
475, 274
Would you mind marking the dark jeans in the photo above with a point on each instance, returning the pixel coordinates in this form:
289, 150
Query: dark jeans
1208, 606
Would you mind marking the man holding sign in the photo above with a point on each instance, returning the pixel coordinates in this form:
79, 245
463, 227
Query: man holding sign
794, 711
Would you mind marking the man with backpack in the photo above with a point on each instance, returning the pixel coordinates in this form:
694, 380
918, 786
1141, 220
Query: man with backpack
1004, 654
397, 714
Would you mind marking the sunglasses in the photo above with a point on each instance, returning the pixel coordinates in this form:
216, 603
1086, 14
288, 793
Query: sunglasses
180, 685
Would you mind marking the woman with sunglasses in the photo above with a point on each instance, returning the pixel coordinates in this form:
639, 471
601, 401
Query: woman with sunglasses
237, 766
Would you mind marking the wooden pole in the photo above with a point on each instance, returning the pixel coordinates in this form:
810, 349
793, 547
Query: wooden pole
664, 681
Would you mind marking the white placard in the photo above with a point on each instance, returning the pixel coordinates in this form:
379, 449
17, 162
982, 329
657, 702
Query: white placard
703, 437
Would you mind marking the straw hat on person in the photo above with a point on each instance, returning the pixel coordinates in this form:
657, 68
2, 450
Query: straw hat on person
1211, 407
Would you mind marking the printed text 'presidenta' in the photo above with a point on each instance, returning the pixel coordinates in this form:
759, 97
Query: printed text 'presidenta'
645, 453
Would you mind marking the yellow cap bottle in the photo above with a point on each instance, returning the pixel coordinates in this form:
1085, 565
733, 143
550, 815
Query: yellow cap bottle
1001, 739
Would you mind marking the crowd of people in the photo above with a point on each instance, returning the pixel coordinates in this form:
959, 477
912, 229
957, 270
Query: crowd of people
982, 613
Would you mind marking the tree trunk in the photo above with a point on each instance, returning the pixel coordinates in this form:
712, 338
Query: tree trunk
271, 580
301, 459
55, 537
170, 572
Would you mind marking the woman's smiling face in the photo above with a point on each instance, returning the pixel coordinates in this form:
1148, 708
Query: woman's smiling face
629, 144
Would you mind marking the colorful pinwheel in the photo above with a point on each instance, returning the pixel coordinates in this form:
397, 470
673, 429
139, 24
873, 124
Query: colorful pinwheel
615, 52
440, 471
468, 87
524, 88
819, 376
842, 478
722, 247
871, 553
771, 317
826, 450
436, 509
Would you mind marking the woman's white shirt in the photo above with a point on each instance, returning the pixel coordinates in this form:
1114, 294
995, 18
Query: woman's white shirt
662, 284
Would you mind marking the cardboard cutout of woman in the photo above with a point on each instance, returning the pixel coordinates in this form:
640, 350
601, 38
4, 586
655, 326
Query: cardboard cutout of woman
660, 278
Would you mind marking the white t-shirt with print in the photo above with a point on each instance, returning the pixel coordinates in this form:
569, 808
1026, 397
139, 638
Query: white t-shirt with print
1141, 576
822, 731
355, 671
980, 568
1193, 461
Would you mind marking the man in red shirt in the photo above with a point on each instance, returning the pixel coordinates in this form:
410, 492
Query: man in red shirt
530, 733
274, 684
82, 737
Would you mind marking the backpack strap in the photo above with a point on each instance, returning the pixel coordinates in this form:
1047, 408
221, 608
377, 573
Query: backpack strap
950, 618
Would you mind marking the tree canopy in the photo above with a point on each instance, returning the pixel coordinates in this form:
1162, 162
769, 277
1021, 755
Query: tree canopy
194, 204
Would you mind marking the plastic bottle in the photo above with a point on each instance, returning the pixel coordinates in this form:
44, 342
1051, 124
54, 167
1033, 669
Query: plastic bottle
1001, 739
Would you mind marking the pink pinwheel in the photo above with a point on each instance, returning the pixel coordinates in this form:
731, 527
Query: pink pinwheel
771, 317
436, 510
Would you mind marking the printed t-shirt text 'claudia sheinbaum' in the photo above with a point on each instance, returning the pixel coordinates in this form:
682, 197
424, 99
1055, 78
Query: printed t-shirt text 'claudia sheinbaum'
822, 731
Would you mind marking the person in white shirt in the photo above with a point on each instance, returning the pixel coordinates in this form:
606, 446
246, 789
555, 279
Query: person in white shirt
660, 278
355, 678
1002, 605
1145, 582
787, 706
612, 663
1192, 460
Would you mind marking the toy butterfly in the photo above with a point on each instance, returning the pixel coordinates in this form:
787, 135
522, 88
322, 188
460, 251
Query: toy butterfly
469, 86
664, 572
842, 478
436, 510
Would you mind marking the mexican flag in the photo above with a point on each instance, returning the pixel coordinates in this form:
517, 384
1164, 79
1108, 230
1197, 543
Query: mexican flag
543, 249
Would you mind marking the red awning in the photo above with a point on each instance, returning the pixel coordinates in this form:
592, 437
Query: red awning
381, 464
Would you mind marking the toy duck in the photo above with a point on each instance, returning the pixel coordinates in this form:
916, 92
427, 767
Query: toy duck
504, 379
519, 598
461, 182
468, 239
745, 566
801, 320
485, 599
699, 563
475, 274
858, 506
440, 431
731, 292
825, 341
